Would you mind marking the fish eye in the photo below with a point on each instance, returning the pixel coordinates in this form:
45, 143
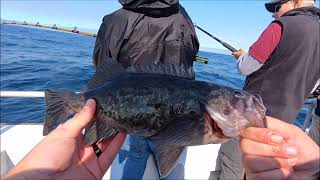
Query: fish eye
238, 93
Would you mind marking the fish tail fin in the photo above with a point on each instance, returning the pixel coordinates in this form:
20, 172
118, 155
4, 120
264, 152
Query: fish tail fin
58, 106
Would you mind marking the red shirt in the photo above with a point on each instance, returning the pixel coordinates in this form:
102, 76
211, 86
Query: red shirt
267, 42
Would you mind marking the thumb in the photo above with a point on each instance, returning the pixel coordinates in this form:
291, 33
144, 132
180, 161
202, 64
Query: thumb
75, 125
282, 127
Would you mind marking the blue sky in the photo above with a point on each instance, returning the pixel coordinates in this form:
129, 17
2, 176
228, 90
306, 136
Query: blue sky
237, 22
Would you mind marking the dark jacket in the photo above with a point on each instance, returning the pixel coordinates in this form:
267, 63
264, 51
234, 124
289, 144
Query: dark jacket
292, 70
150, 4
317, 110
134, 36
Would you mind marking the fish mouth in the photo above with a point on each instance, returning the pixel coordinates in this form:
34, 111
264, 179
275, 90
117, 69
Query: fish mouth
258, 103
230, 126
213, 126
222, 126
256, 114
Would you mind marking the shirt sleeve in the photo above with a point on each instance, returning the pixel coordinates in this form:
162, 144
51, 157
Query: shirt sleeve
247, 64
267, 42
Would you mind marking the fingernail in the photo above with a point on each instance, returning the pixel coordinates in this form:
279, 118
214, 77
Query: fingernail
89, 103
292, 161
291, 151
276, 139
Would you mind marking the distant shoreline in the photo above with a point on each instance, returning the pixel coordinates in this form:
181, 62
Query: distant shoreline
203, 49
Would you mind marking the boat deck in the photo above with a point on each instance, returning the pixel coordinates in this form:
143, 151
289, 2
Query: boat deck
18, 140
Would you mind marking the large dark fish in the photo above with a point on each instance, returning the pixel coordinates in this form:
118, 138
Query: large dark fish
162, 103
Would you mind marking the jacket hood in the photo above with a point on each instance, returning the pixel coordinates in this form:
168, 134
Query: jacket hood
309, 10
152, 4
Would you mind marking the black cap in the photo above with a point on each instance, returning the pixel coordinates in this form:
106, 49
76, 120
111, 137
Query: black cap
270, 6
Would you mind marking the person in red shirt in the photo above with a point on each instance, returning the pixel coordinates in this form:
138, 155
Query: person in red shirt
260, 51
282, 66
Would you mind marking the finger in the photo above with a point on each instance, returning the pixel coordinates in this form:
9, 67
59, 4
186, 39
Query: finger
110, 152
236, 52
76, 124
250, 147
276, 174
288, 131
276, 124
256, 164
103, 144
262, 135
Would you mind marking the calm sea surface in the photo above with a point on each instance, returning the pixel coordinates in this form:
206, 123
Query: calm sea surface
38, 59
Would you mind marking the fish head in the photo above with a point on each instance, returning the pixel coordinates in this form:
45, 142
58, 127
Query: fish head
228, 111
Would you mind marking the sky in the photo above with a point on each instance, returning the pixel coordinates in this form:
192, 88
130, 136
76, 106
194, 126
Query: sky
237, 22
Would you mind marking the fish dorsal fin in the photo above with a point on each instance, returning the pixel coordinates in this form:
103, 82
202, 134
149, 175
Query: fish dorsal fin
175, 70
104, 72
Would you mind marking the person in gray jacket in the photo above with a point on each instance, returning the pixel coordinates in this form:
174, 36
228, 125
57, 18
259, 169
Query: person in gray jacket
145, 32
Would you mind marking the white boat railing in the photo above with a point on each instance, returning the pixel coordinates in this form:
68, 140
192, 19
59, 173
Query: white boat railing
26, 94
23, 94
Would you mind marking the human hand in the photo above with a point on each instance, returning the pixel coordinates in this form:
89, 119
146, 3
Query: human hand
63, 154
239, 53
281, 151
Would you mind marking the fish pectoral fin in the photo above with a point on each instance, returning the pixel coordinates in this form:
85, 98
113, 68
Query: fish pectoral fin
96, 131
105, 71
167, 157
182, 131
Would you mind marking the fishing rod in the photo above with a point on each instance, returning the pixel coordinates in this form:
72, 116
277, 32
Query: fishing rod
232, 49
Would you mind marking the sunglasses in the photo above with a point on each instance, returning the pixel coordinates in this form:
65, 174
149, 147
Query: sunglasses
277, 8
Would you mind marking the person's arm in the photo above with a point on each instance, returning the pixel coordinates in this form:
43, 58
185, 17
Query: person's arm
281, 151
63, 154
260, 51
248, 64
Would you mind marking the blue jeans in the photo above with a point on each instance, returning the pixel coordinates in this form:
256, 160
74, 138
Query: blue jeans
133, 156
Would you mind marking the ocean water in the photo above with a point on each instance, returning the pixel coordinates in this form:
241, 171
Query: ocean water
36, 59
